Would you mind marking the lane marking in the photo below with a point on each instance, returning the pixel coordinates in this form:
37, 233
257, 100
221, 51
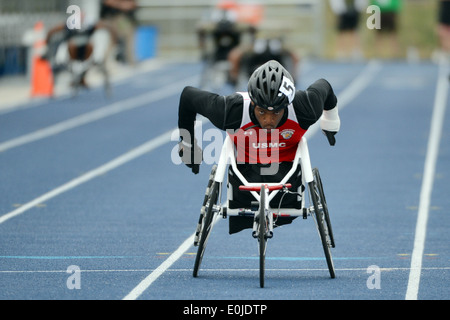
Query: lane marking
107, 111
355, 87
360, 83
65, 257
437, 123
118, 78
387, 269
111, 165
297, 258
144, 284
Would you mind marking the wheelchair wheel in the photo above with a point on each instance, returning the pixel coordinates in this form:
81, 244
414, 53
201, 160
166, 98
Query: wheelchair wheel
205, 200
262, 239
322, 224
206, 225
324, 205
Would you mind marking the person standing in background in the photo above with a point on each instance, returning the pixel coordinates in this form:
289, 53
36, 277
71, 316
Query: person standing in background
387, 44
348, 16
443, 28
121, 15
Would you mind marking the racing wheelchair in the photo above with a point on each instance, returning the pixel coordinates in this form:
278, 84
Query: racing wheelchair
263, 215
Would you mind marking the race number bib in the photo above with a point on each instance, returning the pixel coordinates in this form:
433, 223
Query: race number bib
288, 89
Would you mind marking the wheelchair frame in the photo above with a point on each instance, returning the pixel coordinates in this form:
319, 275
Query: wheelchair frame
263, 214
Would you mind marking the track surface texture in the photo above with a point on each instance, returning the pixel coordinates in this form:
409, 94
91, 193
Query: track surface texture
93, 206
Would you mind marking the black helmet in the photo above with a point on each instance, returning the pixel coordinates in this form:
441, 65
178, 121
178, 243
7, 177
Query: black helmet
271, 86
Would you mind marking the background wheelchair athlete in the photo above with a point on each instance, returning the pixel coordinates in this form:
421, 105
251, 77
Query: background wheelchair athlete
271, 118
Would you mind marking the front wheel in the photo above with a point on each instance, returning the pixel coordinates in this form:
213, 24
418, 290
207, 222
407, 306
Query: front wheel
262, 238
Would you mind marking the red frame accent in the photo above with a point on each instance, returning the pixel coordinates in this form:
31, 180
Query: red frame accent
270, 188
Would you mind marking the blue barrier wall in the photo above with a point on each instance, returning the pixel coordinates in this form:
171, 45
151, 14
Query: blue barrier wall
146, 43
13, 60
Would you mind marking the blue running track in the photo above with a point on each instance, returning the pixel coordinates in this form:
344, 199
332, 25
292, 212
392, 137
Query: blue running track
93, 207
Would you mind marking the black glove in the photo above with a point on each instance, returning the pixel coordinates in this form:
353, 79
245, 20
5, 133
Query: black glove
191, 156
330, 136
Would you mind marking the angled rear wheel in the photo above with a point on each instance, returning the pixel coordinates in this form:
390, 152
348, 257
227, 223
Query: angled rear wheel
322, 219
323, 201
208, 212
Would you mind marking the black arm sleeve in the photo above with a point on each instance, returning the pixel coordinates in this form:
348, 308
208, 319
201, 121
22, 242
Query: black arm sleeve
309, 104
224, 112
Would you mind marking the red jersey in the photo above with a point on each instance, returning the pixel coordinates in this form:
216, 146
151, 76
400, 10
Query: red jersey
256, 145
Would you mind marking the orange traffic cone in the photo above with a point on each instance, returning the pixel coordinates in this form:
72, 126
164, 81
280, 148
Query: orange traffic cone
42, 75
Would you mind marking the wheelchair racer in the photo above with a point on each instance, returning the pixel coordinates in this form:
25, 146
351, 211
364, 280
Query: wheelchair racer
266, 124
77, 49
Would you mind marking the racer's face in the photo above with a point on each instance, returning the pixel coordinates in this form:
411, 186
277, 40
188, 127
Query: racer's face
268, 120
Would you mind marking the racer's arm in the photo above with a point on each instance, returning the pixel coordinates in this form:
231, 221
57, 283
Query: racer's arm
223, 111
318, 102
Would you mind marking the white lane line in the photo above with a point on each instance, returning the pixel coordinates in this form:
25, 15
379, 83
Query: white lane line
144, 284
120, 76
437, 122
360, 83
109, 110
113, 164
386, 269
352, 90
355, 87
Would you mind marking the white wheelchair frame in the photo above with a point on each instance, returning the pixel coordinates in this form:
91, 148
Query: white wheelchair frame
228, 157
263, 222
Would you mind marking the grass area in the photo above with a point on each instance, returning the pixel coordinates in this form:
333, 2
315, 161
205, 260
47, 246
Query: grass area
417, 23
